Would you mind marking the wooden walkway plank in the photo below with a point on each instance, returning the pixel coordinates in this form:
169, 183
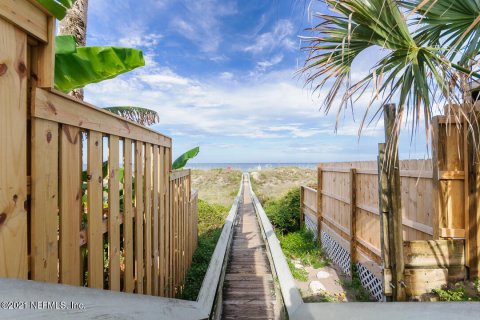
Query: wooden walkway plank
248, 290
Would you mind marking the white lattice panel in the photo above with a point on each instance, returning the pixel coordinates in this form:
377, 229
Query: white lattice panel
342, 258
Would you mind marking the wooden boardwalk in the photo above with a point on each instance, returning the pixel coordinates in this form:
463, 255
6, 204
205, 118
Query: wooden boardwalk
248, 290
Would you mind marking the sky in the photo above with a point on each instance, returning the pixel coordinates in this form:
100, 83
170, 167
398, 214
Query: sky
223, 75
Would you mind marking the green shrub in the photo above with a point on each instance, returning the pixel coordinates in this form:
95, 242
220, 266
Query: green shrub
455, 293
301, 246
211, 218
284, 213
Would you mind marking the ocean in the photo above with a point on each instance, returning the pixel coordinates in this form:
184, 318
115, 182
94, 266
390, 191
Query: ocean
245, 167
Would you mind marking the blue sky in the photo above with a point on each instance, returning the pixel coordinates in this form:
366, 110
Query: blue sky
222, 75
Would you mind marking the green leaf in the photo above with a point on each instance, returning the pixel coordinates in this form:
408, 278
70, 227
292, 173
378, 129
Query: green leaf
57, 7
94, 64
181, 161
65, 44
143, 116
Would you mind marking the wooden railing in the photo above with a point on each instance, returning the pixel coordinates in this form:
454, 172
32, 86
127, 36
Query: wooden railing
87, 198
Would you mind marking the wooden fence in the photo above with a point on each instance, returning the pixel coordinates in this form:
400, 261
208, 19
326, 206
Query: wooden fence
350, 214
350, 207
86, 197
437, 204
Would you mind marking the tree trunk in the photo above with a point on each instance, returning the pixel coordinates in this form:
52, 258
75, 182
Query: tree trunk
75, 23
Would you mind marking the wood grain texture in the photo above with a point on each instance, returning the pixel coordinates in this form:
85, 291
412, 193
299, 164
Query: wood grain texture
163, 184
25, 15
95, 209
147, 231
44, 218
139, 216
129, 283
13, 152
70, 204
56, 106
113, 214
155, 221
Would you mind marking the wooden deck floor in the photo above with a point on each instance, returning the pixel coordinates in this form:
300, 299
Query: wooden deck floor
248, 291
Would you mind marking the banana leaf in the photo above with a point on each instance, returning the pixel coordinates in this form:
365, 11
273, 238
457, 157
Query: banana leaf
93, 64
181, 161
57, 7
65, 44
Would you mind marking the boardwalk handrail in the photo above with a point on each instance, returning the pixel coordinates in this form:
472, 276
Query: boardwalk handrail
108, 304
297, 309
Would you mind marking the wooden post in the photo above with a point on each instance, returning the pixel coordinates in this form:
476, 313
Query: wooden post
472, 234
319, 204
383, 209
353, 218
302, 207
394, 203
450, 208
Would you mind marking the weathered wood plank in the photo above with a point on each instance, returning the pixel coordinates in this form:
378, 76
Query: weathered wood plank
44, 227
70, 204
129, 283
13, 152
95, 210
113, 214
434, 253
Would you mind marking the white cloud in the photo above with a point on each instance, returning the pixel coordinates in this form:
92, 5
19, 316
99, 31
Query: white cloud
201, 23
266, 64
226, 76
146, 41
279, 37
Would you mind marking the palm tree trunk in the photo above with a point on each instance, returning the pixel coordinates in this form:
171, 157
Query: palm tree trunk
75, 23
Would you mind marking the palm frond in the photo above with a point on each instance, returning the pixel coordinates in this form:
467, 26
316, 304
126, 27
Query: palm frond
139, 115
413, 71
452, 25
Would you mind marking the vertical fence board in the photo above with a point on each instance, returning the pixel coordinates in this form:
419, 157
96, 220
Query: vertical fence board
113, 214
148, 218
139, 212
161, 233
353, 215
155, 238
128, 217
95, 210
13, 152
70, 204
44, 246
319, 204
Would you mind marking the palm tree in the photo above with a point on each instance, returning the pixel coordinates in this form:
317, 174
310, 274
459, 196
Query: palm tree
75, 24
430, 49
